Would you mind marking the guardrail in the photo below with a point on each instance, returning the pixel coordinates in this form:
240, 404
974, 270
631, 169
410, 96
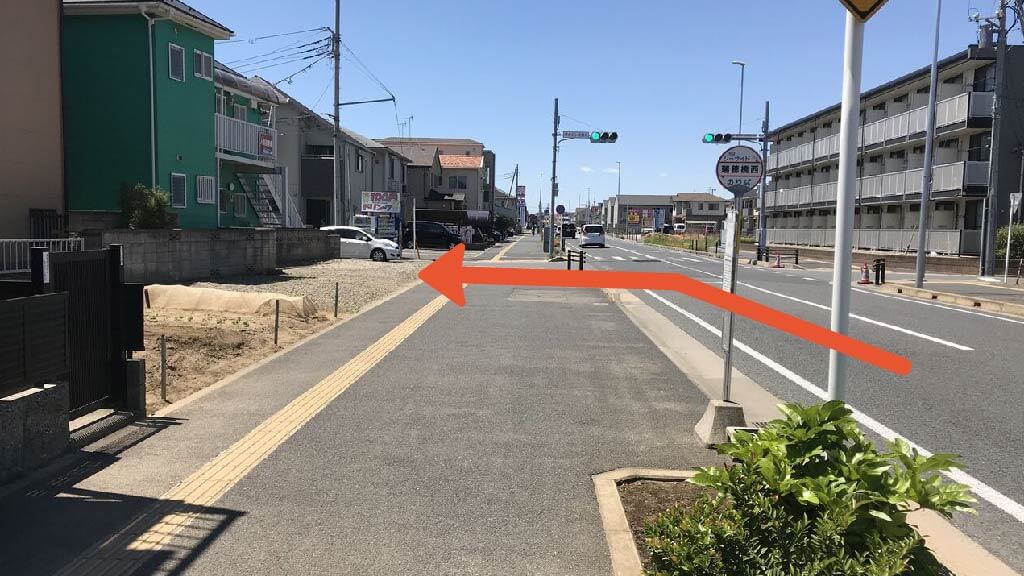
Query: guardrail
15, 253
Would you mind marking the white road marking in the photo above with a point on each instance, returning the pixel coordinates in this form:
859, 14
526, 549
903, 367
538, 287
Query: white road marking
619, 258
650, 257
982, 490
807, 278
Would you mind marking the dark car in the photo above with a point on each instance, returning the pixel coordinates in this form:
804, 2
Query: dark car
666, 228
431, 235
568, 230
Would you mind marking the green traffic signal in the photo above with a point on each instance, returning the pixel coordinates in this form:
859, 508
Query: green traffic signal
709, 138
595, 136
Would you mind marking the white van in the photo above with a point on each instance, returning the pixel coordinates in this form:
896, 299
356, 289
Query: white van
593, 235
679, 228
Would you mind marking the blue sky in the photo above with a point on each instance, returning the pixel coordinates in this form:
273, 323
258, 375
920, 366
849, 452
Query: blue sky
656, 71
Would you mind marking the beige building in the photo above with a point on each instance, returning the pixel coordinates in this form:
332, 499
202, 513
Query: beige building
32, 192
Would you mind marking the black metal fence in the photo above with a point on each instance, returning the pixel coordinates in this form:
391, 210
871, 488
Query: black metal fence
101, 324
33, 344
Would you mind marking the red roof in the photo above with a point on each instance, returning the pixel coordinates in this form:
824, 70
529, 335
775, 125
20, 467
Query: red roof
456, 161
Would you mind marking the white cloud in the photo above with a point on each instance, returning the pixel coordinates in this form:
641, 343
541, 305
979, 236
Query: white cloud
663, 174
586, 169
610, 170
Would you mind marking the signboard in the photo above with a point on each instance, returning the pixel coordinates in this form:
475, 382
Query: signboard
633, 217
387, 226
576, 134
521, 192
266, 144
381, 202
728, 272
739, 169
560, 209
862, 9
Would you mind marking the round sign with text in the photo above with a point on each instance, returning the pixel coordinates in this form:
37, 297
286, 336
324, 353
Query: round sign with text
560, 209
739, 169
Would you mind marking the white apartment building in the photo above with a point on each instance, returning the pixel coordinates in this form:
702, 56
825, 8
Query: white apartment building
803, 164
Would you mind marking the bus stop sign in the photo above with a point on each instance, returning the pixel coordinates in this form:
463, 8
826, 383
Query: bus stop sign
739, 169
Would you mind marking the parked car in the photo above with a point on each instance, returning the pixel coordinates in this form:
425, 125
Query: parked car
593, 235
358, 243
569, 230
647, 230
679, 228
666, 228
431, 235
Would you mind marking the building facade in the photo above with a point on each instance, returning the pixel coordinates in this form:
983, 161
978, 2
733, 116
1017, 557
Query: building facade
699, 209
32, 194
803, 164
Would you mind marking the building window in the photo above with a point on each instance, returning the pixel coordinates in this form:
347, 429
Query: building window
319, 150
713, 206
984, 79
239, 202
901, 98
898, 155
700, 206
178, 189
176, 62
457, 182
487, 195
202, 65
238, 112
949, 143
220, 102
359, 163
226, 197
205, 190
979, 147
879, 106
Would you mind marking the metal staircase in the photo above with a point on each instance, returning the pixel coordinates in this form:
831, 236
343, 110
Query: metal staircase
263, 202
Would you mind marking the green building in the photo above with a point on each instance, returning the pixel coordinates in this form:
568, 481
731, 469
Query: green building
143, 104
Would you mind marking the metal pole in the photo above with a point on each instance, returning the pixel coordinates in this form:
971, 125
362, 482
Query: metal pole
926, 174
618, 191
277, 318
988, 261
415, 245
849, 118
336, 54
729, 285
743, 72
762, 216
336, 290
163, 367
554, 183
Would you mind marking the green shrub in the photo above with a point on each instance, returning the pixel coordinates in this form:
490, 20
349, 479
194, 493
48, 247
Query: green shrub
1016, 244
807, 495
145, 207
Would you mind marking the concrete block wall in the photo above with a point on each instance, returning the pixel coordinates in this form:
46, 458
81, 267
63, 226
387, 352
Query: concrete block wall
33, 429
302, 245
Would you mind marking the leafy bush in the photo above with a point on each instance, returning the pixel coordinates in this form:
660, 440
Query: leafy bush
1016, 244
145, 207
808, 495
504, 224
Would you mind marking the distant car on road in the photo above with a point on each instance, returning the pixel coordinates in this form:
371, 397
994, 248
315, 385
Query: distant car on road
358, 243
431, 235
647, 230
666, 228
593, 235
568, 230
679, 228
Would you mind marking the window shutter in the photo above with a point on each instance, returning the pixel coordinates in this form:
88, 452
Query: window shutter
205, 190
197, 63
208, 66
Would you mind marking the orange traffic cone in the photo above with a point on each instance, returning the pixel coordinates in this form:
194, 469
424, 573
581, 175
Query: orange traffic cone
778, 262
864, 278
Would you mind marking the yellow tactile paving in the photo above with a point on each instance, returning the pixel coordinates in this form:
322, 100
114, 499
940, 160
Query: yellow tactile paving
156, 528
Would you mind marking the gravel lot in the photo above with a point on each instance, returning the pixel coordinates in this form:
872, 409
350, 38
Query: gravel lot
361, 282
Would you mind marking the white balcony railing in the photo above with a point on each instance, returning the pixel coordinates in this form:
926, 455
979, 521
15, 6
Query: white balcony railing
947, 112
15, 254
245, 138
896, 239
945, 177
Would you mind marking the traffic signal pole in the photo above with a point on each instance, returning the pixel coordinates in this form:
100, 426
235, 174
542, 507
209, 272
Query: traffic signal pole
554, 184
762, 214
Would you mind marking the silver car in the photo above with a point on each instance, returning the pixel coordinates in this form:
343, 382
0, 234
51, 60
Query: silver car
593, 235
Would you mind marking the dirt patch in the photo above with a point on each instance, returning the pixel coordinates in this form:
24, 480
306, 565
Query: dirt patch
204, 347
644, 500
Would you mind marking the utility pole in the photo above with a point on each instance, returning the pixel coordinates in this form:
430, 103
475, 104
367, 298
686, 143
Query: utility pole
847, 187
743, 72
554, 183
336, 53
992, 199
588, 204
926, 174
762, 215
618, 191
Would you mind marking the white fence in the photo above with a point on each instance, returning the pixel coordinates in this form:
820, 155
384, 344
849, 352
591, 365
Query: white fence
15, 254
901, 240
246, 138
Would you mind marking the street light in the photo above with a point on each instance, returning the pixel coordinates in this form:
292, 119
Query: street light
743, 71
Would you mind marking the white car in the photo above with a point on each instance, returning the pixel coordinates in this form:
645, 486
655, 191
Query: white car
593, 235
357, 243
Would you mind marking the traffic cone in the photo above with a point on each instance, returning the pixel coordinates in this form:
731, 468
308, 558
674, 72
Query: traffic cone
864, 278
778, 261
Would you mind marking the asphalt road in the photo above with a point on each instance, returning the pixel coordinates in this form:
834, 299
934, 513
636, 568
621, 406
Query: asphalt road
964, 395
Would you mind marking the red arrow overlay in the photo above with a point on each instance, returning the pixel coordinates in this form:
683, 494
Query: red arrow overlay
447, 275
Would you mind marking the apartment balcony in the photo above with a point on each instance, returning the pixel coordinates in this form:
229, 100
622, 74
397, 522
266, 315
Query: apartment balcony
945, 178
950, 111
246, 140
897, 240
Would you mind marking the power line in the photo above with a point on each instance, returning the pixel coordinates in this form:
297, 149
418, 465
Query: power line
258, 38
306, 68
286, 48
317, 49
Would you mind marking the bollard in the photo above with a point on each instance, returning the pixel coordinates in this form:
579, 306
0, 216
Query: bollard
163, 367
277, 318
568, 261
796, 256
336, 299
583, 256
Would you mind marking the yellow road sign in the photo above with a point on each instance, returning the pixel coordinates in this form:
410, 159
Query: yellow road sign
863, 9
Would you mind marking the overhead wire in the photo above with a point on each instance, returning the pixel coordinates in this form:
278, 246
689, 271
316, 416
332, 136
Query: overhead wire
258, 38
318, 49
286, 48
302, 70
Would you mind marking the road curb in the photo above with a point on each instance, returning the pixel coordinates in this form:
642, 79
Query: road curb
949, 298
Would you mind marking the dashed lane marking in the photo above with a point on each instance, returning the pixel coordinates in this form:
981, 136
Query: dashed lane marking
192, 498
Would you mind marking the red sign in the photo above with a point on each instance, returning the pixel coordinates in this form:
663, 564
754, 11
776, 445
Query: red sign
266, 144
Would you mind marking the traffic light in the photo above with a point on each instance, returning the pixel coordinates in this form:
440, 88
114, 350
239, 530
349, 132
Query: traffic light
603, 137
710, 138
